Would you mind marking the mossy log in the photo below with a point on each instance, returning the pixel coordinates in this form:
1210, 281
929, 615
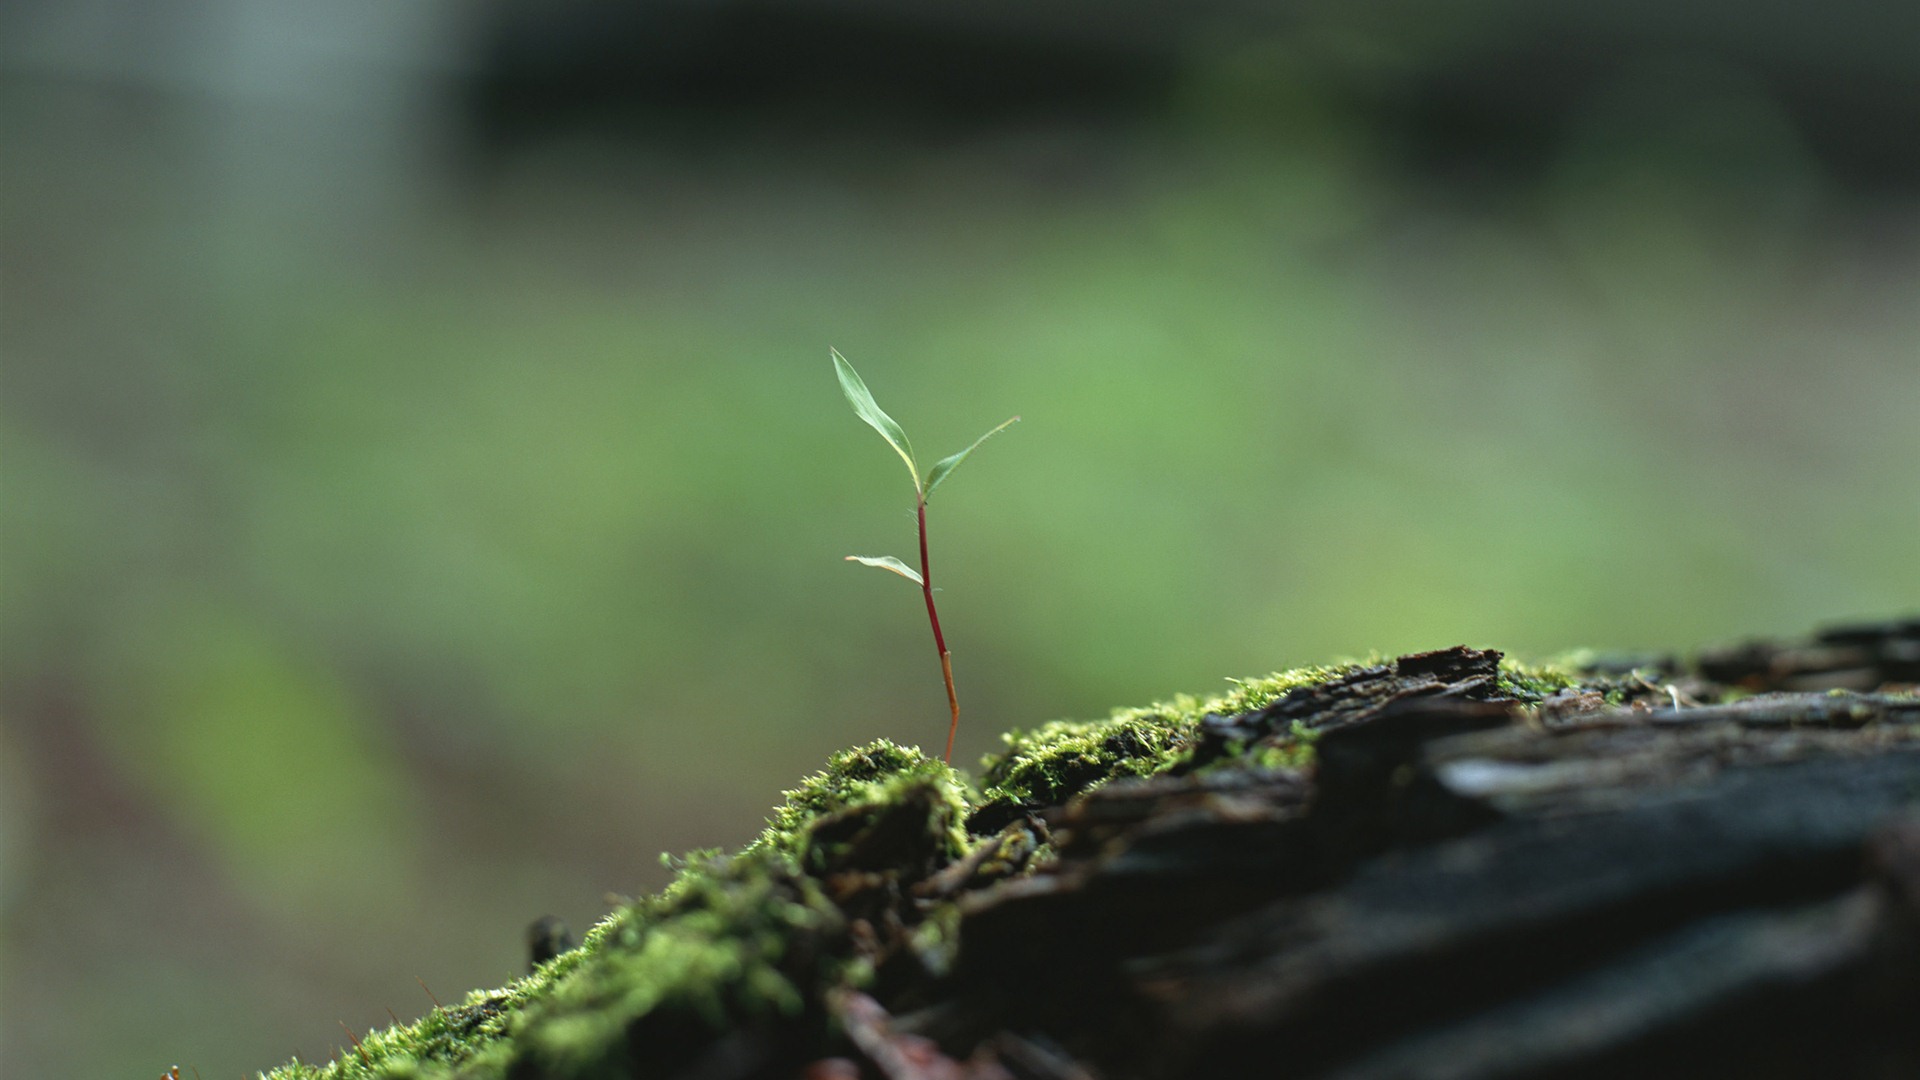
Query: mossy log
1439, 866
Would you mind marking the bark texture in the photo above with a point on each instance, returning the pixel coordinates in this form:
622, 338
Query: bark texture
1615, 880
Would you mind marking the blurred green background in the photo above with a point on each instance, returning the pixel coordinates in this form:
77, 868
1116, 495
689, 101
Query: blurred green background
423, 486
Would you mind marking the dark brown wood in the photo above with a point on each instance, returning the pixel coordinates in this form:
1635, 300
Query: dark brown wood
1699, 869
1463, 888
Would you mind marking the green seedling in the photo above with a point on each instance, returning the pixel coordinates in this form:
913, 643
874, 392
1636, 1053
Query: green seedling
923, 485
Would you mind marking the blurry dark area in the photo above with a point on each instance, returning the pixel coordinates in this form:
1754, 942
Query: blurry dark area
1482, 94
1505, 101
658, 69
423, 490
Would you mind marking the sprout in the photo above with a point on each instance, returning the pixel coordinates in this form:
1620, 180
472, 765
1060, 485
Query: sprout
923, 487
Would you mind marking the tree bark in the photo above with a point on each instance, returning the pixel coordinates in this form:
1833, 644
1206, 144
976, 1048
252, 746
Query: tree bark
1463, 888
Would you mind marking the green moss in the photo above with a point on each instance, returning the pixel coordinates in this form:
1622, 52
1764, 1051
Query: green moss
1584, 670
1534, 682
736, 942
1056, 761
1251, 694
731, 941
752, 940
877, 774
1050, 764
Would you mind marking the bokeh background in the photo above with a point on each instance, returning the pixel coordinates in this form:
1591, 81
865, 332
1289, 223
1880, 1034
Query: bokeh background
424, 485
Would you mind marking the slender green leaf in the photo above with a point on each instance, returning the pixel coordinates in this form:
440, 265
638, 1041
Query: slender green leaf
888, 562
869, 410
946, 465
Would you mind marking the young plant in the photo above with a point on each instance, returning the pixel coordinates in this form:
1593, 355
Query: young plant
923, 484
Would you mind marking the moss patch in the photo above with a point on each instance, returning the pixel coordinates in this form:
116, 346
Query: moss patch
1056, 761
1536, 682
753, 942
876, 774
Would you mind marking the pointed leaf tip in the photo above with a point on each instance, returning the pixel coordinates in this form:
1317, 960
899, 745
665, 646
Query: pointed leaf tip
869, 410
888, 562
945, 466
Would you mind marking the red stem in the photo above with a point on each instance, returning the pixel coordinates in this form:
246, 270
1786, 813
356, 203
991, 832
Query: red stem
939, 640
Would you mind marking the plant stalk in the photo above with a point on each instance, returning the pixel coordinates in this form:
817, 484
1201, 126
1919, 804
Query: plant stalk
939, 641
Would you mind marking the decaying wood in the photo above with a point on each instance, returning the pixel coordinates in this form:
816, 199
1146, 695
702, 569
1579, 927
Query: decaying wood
1464, 888
1705, 868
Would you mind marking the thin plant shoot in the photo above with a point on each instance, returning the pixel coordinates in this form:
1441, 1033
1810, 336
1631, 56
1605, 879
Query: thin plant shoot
923, 486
